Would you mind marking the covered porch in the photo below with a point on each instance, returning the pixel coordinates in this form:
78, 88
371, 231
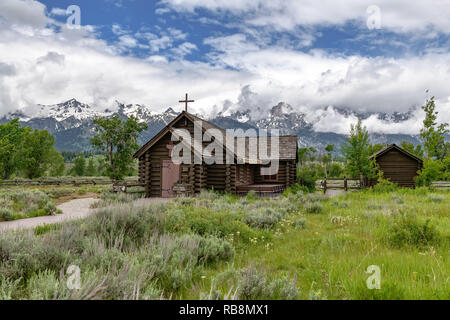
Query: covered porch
263, 190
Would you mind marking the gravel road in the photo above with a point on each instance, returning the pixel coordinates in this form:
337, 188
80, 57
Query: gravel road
74, 209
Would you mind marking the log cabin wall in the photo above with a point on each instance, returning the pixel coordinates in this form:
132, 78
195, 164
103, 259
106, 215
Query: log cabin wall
157, 154
244, 174
398, 168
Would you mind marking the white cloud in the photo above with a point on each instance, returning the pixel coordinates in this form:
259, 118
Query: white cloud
317, 79
161, 43
127, 41
118, 30
40, 65
23, 12
184, 49
162, 10
58, 12
48, 67
398, 16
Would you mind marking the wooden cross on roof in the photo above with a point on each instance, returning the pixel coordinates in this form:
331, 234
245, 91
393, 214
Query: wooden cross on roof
186, 101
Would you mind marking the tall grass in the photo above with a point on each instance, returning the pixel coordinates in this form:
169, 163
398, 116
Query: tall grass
224, 247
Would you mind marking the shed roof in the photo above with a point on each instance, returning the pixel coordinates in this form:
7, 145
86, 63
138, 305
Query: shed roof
392, 147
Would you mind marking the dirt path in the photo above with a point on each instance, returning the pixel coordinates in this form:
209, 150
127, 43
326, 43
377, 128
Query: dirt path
73, 209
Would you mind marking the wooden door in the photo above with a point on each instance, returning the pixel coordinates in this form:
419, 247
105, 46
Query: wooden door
170, 175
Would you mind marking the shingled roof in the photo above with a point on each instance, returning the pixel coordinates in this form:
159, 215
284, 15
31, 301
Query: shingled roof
287, 144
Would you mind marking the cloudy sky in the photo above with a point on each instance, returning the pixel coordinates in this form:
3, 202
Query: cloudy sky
378, 56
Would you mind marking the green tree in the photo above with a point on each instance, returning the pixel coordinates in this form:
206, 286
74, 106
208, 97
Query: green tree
307, 176
329, 149
91, 170
336, 170
328, 158
117, 140
357, 152
374, 148
302, 155
417, 150
12, 136
36, 153
79, 165
433, 170
432, 134
57, 164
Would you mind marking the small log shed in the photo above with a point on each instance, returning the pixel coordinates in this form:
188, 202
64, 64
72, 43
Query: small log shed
398, 165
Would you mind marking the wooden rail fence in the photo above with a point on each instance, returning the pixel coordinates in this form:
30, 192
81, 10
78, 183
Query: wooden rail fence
45, 182
64, 182
440, 184
337, 184
346, 184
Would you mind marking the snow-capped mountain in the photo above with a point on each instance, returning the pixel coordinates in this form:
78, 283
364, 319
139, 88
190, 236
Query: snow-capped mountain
71, 123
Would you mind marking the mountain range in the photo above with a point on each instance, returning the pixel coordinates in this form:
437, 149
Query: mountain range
71, 123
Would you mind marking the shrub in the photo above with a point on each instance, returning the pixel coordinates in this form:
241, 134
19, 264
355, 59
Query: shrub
50, 208
208, 195
263, 217
210, 249
251, 195
340, 204
284, 289
317, 197
436, 197
127, 222
397, 199
45, 286
307, 177
300, 223
115, 198
313, 208
254, 285
8, 288
6, 214
409, 231
25, 203
384, 185
296, 188
374, 206
433, 170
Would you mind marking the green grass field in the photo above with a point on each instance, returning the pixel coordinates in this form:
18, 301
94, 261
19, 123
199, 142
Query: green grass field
301, 246
330, 256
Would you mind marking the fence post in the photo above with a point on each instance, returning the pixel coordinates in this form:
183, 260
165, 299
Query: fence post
325, 185
345, 183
